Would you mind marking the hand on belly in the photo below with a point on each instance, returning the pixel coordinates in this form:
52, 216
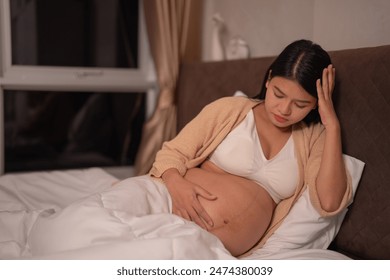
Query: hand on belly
242, 211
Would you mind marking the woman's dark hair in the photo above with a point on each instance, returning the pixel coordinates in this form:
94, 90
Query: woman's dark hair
302, 61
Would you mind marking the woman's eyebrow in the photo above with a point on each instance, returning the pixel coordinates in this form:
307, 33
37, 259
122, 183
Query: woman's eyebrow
296, 100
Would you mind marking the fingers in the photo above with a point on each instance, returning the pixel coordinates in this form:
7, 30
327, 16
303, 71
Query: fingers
332, 78
331, 74
196, 214
199, 208
193, 210
319, 90
200, 217
202, 214
205, 194
182, 213
325, 82
325, 88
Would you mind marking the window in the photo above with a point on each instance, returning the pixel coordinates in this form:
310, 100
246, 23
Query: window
85, 52
60, 130
78, 33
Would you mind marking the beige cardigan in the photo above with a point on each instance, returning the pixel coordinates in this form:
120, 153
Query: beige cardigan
198, 139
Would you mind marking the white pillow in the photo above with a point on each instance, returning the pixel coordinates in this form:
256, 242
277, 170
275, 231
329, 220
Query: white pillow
304, 228
240, 93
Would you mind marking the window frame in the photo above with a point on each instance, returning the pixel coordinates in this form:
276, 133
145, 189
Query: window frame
48, 78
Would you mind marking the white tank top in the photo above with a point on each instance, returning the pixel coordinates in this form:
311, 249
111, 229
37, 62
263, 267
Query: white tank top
241, 154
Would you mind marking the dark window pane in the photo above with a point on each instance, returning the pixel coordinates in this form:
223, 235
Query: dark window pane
78, 33
59, 130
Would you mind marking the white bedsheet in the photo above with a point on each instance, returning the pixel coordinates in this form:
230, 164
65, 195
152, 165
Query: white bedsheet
77, 214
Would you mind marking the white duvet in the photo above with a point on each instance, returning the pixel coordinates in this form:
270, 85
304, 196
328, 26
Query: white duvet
107, 223
78, 214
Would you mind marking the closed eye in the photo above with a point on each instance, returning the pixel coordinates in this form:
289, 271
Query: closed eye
300, 106
278, 95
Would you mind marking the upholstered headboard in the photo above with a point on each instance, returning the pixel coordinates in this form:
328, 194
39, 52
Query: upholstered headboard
362, 98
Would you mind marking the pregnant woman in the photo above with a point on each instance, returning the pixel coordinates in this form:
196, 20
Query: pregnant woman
239, 166
235, 170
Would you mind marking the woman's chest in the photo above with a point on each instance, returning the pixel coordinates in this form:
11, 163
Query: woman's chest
241, 153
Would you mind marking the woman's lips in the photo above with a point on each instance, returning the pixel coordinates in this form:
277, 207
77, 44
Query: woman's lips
280, 119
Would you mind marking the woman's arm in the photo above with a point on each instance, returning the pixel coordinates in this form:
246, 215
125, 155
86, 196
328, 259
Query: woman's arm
332, 177
179, 154
197, 139
190, 148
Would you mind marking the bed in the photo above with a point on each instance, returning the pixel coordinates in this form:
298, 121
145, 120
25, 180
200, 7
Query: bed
79, 214
103, 229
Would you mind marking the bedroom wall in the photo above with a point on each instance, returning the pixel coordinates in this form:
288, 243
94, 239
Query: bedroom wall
267, 26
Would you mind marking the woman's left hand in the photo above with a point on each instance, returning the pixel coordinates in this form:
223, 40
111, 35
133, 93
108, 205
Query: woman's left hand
325, 103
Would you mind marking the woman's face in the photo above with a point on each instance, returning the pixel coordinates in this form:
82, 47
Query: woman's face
286, 102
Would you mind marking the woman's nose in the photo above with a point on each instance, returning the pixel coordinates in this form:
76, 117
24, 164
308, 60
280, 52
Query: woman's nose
285, 108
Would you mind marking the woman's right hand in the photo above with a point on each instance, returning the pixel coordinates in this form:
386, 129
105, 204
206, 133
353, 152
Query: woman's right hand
185, 202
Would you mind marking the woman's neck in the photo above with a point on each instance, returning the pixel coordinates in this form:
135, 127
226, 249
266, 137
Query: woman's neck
263, 117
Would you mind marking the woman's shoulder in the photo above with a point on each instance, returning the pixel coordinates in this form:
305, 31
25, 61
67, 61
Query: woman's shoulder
233, 102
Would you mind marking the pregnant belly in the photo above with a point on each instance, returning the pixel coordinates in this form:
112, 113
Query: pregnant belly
242, 211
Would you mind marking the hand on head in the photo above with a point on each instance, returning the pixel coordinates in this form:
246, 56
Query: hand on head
325, 91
